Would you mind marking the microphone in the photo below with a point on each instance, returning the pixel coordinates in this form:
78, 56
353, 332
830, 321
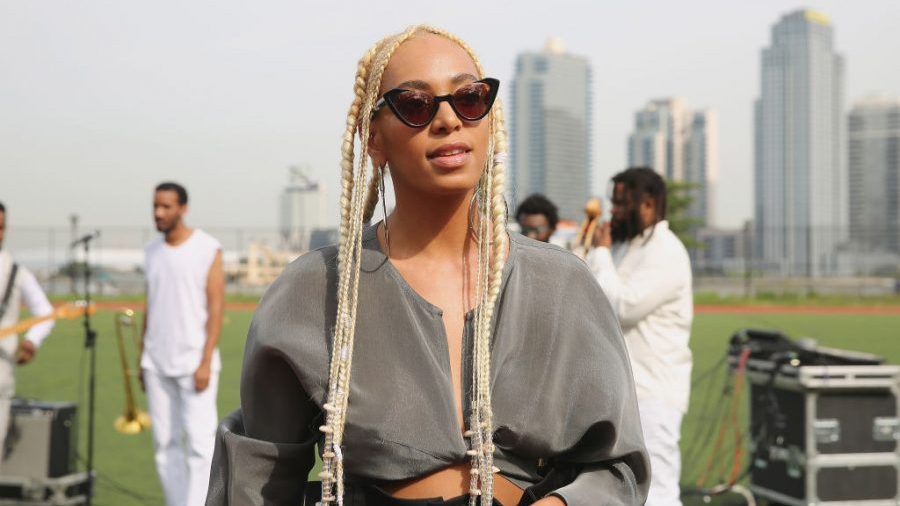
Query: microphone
85, 239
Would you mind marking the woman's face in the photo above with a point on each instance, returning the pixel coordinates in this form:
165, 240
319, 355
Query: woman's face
446, 156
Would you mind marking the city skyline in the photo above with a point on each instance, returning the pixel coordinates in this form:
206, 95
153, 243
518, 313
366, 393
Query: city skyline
99, 106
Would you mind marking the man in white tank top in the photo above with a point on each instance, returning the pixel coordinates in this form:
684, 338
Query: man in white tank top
180, 361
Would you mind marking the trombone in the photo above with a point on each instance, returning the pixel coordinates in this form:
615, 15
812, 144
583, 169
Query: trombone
134, 420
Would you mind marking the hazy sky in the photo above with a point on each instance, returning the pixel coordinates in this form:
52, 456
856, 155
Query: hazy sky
100, 100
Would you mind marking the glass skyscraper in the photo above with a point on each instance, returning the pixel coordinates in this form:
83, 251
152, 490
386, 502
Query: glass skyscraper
874, 175
550, 127
681, 145
800, 204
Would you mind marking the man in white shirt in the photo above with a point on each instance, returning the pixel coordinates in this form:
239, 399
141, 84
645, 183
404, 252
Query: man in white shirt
17, 285
645, 272
180, 361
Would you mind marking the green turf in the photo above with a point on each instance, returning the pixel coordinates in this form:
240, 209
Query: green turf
796, 299
125, 463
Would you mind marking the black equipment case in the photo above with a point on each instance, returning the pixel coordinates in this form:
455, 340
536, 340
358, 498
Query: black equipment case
824, 423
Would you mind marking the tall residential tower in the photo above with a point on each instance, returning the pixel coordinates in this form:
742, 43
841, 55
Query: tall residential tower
874, 175
550, 129
800, 178
680, 145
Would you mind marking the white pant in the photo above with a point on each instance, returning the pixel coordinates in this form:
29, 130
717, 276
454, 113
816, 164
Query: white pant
184, 432
662, 430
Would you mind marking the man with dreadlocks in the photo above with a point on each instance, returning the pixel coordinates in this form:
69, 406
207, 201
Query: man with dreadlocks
421, 354
645, 271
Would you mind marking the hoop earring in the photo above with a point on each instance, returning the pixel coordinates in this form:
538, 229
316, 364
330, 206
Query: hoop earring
387, 235
476, 199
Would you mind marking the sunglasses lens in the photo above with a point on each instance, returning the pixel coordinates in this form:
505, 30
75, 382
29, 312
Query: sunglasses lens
472, 101
414, 106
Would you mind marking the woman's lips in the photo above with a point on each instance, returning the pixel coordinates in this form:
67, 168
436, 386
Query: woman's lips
450, 156
450, 161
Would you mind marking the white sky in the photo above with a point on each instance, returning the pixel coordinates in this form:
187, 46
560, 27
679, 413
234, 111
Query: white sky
100, 100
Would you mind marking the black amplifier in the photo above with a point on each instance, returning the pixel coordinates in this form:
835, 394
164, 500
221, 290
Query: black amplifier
824, 423
41, 441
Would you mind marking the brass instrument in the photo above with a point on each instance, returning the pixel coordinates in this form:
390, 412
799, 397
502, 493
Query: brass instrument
592, 211
134, 420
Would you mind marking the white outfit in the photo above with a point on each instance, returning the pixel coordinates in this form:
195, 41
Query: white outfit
25, 290
184, 421
648, 283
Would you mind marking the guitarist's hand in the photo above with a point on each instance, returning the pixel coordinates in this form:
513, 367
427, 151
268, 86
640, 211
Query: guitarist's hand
25, 352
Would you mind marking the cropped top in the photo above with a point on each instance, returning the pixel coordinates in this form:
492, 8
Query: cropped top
561, 383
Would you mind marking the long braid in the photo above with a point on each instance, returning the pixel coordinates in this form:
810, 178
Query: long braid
359, 197
352, 203
347, 159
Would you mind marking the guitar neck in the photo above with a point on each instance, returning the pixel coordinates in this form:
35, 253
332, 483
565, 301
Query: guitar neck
24, 325
67, 311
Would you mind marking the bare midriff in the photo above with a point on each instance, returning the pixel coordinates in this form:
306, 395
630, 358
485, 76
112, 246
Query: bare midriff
451, 482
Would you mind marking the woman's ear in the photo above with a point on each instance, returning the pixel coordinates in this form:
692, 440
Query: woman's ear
376, 147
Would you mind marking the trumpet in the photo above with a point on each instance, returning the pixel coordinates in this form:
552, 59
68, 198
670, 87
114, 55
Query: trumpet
134, 420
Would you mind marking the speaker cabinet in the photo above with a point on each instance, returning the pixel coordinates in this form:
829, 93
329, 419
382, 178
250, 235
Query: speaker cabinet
41, 441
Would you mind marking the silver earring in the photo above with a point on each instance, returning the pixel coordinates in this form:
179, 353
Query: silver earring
387, 235
476, 202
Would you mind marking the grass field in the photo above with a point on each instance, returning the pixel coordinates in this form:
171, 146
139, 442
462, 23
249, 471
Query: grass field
125, 463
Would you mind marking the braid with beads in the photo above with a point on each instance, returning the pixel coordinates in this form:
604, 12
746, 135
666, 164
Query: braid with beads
359, 196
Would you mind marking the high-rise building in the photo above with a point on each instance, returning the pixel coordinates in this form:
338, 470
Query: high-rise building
301, 210
800, 177
701, 164
658, 138
874, 175
681, 146
550, 127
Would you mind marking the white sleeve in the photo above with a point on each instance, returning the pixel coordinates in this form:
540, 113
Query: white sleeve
38, 305
636, 296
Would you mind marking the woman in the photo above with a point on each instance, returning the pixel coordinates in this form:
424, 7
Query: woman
483, 368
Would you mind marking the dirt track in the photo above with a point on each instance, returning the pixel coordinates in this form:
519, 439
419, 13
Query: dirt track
701, 309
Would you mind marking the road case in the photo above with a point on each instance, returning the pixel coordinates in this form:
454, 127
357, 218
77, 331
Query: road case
824, 426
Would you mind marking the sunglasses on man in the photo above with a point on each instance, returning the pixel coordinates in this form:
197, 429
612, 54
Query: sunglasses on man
534, 231
416, 108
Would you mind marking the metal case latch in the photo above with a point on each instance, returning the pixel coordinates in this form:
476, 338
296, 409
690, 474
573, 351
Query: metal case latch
827, 430
886, 429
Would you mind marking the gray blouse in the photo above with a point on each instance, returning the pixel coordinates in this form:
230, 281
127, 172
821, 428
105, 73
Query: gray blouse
562, 384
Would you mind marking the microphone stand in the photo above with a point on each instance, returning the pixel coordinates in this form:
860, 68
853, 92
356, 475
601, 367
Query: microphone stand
90, 343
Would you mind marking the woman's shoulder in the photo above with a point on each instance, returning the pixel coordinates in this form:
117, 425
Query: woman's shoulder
540, 257
311, 265
300, 293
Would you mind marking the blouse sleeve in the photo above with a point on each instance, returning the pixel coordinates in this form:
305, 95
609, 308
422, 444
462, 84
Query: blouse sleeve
612, 483
601, 429
266, 449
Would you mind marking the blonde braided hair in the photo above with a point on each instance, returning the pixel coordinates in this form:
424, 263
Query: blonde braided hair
359, 196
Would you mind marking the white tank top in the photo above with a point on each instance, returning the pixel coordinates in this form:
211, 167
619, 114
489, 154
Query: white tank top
177, 305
